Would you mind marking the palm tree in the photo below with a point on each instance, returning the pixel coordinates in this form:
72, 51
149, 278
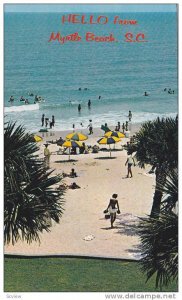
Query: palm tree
31, 201
170, 190
157, 144
159, 237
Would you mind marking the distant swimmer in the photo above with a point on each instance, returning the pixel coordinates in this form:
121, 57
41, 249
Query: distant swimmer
80, 89
89, 103
146, 94
85, 89
22, 98
170, 91
165, 90
31, 94
79, 107
11, 99
99, 97
36, 98
26, 101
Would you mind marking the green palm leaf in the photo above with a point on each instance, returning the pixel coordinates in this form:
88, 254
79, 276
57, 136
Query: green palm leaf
31, 201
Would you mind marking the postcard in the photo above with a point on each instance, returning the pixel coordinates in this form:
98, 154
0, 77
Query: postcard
90, 148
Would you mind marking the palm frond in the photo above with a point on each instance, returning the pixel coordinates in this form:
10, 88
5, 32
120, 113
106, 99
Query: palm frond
31, 200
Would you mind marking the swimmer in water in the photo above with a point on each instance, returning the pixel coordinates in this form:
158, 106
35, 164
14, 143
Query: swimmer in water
22, 98
11, 99
79, 107
89, 103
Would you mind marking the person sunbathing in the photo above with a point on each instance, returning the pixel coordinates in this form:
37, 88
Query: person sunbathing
74, 186
63, 186
95, 149
73, 173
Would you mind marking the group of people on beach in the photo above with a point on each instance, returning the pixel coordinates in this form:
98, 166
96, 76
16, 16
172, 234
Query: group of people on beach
125, 126
113, 206
46, 121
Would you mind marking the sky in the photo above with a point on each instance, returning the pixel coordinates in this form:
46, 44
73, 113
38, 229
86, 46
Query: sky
89, 8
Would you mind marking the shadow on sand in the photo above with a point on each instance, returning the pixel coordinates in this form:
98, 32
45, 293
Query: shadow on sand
105, 157
127, 225
129, 230
112, 150
108, 228
66, 161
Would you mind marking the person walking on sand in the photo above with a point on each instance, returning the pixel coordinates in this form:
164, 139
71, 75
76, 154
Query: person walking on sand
113, 208
130, 161
90, 127
129, 115
47, 155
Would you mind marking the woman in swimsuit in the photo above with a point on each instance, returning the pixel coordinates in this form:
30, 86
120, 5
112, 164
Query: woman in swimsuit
113, 208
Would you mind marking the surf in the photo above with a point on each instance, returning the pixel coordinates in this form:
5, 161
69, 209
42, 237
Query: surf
27, 107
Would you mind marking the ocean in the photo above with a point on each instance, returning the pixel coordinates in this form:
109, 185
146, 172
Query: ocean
74, 72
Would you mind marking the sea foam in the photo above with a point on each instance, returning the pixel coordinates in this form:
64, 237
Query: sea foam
27, 107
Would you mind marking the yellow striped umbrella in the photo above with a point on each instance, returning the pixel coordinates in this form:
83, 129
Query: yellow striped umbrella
108, 141
114, 133
76, 136
69, 144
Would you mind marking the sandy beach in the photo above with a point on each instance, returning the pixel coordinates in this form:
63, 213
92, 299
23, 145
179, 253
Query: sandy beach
83, 229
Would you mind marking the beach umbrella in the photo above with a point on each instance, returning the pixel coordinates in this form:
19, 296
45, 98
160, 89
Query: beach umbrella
117, 134
70, 143
37, 138
108, 141
76, 136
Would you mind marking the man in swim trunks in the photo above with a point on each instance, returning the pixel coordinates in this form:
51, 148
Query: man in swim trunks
113, 208
130, 161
